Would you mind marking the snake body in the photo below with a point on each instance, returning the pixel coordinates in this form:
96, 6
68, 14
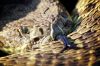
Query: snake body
34, 46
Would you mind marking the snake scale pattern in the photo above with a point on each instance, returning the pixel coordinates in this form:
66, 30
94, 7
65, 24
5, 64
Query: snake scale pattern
26, 39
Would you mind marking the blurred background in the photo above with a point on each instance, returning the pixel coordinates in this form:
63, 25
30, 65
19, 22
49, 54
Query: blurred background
69, 4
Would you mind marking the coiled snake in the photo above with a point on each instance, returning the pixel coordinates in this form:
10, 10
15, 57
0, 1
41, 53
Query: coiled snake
27, 39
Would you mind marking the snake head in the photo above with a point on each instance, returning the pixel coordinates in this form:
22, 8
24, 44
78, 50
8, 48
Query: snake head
62, 25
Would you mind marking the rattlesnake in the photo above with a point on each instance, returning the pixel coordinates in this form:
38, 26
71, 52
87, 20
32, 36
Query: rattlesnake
27, 52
